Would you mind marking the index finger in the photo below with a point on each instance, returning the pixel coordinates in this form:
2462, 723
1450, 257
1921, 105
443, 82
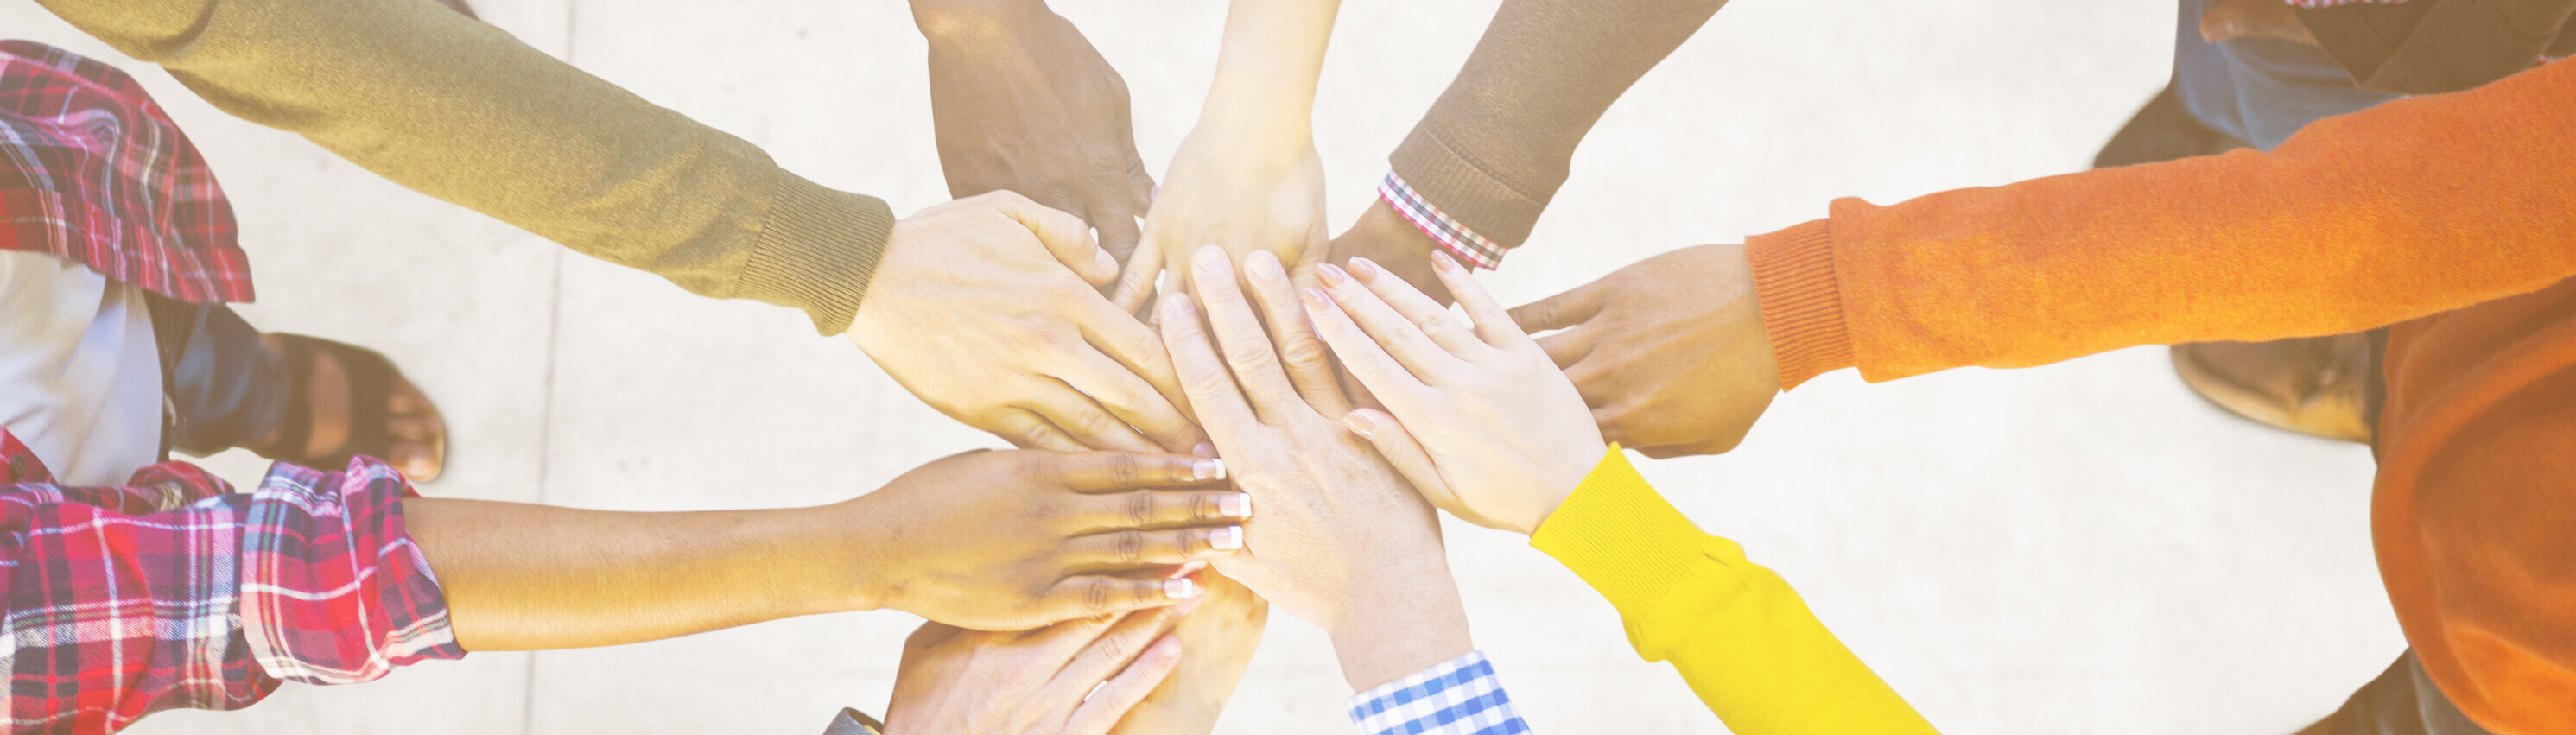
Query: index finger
1246, 344
1108, 471
1209, 385
1064, 235
1560, 311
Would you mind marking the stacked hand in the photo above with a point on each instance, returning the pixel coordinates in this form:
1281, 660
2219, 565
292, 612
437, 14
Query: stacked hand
1669, 353
1342, 541
1072, 678
1242, 192
984, 307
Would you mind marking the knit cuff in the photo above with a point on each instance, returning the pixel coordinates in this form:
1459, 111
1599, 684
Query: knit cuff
1802, 306
817, 251
1478, 201
1621, 537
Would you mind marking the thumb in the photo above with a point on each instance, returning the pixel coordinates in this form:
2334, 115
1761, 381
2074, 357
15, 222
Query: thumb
1560, 311
1136, 285
1063, 234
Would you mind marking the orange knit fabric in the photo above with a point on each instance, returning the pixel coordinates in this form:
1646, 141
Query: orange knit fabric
2456, 211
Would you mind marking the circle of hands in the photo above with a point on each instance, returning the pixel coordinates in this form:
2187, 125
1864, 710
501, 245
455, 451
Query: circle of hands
1180, 472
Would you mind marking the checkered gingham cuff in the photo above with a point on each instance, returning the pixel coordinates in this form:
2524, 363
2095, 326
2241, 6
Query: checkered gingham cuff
1470, 248
1459, 697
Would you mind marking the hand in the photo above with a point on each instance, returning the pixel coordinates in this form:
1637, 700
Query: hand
1217, 640
1072, 678
2229, 20
1022, 102
1341, 542
1240, 195
1483, 423
1670, 352
984, 308
1018, 539
1395, 245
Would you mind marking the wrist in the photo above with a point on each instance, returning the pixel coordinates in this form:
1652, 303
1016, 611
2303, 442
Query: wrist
1410, 622
852, 567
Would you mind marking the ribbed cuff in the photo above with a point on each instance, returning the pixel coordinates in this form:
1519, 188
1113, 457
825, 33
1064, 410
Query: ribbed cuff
1480, 202
817, 251
1802, 305
1621, 537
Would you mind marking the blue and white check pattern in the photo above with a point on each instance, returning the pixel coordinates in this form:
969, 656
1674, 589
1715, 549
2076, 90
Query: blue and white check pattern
1459, 697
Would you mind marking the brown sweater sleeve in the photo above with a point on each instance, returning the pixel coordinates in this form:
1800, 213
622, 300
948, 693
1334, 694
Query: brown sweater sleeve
462, 111
2411, 208
1495, 147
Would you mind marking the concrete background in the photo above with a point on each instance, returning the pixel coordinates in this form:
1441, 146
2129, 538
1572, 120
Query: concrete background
2077, 548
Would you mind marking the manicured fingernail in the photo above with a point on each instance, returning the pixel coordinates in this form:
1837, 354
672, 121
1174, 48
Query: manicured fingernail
1181, 589
1107, 263
1237, 506
1209, 260
1228, 538
1441, 260
1331, 275
1204, 449
1263, 265
1314, 298
1360, 425
1364, 269
1204, 470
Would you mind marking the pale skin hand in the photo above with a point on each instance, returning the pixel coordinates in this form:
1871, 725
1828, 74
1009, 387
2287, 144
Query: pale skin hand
995, 540
984, 308
1072, 678
1247, 177
1670, 352
1482, 422
1341, 541
1021, 101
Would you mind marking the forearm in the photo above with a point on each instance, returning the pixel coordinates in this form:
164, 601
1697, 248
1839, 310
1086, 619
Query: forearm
1409, 621
1266, 72
533, 577
2411, 208
1495, 147
462, 111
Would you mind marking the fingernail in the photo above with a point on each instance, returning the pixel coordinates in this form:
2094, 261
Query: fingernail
1204, 449
1237, 506
1364, 269
1209, 260
1107, 263
1263, 265
1331, 275
1186, 569
1441, 260
1314, 298
1167, 648
1360, 425
1207, 469
1181, 589
1228, 538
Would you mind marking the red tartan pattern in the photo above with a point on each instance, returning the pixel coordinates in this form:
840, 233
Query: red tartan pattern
175, 592
91, 169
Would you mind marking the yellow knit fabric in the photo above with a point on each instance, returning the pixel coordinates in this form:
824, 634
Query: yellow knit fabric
1742, 639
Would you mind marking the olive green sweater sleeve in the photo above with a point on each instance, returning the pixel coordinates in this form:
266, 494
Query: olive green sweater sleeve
1495, 147
462, 111
1737, 633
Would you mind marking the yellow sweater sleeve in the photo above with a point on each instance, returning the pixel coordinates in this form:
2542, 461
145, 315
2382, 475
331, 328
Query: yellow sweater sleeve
462, 111
1742, 639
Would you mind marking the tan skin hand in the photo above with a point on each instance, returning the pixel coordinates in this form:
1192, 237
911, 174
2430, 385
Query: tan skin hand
1669, 353
1342, 542
984, 308
1477, 417
1022, 102
1073, 678
1220, 637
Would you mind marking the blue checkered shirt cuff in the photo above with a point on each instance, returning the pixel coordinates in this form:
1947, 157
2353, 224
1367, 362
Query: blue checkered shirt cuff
1459, 697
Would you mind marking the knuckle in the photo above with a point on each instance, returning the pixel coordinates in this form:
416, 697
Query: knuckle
1095, 595
1139, 510
1130, 547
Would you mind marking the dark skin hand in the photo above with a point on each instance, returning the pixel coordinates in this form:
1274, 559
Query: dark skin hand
1023, 102
1388, 239
1670, 352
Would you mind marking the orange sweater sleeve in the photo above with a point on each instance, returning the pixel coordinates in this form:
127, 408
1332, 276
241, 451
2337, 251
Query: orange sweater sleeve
2411, 208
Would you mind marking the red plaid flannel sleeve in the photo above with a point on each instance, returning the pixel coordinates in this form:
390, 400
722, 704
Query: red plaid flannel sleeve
173, 591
